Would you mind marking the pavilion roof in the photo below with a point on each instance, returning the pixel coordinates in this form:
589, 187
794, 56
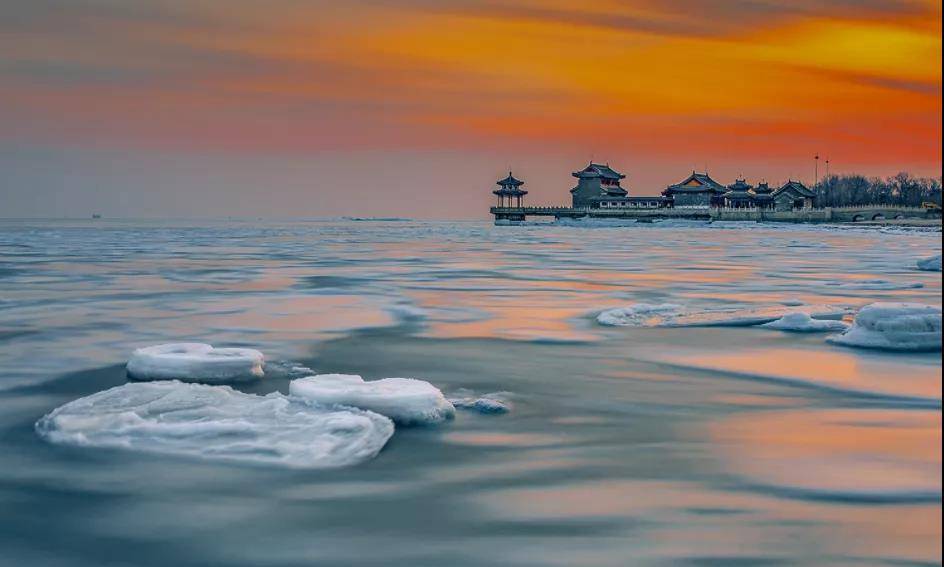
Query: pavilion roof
598, 170
696, 183
511, 191
740, 185
796, 186
510, 181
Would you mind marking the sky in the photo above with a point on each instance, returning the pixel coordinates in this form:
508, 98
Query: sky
199, 108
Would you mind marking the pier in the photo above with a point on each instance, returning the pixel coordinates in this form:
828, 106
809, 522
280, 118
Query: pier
522, 213
864, 213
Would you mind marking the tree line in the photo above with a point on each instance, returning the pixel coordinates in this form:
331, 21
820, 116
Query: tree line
903, 190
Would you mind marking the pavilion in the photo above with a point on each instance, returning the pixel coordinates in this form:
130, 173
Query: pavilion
510, 192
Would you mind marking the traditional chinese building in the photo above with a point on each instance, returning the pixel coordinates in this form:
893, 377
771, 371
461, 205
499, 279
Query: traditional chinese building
763, 196
793, 195
599, 193
596, 182
509, 192
696, 190
598, 187
740, 195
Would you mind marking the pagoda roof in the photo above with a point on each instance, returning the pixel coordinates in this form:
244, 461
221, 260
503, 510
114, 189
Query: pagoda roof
796, 186
598, 170
738, 194
510, 181
740, 185
762, 188
696, 183
509, 190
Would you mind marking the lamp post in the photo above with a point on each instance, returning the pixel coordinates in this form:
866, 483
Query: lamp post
816, 170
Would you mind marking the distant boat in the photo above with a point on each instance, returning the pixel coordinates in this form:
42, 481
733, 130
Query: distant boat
377, 219
96, 216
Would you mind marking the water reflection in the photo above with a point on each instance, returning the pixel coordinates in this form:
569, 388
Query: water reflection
881, 455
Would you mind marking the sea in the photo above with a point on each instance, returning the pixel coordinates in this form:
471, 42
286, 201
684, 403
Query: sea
712, 442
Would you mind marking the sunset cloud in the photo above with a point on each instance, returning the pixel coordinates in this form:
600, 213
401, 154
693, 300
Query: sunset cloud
656, 81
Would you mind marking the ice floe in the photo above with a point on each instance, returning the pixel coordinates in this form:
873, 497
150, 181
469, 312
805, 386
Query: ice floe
800, 322
217, 422
932, 264
672, 315
894, 326
492, 403
286, 369
639, 315
195, 362
404, 400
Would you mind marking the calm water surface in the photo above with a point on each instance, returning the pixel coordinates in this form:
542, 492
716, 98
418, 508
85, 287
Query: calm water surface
649, 446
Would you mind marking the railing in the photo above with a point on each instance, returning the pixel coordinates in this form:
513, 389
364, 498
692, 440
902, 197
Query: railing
738, 209
874, 207
541, 209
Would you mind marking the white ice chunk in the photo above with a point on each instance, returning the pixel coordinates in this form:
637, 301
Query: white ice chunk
799, 322
195, 362
671, 315
217, 422
404, 400
639, 315
493, 403
932, 264
894, 326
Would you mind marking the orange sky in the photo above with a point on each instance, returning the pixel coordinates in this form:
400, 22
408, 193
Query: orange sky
99, 95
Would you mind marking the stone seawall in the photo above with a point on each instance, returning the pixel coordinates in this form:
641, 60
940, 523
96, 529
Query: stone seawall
802, 215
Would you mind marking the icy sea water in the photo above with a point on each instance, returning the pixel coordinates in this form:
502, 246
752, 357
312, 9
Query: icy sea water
697, 445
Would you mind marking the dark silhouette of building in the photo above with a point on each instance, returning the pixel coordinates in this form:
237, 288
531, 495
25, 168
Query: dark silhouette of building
696, 190
510, 192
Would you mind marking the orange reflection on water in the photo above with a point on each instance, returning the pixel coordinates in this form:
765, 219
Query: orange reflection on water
515, 315
841, 450
839, 368
307, 314
681, 519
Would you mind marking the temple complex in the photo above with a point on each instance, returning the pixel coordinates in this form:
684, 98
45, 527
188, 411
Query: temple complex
599, 193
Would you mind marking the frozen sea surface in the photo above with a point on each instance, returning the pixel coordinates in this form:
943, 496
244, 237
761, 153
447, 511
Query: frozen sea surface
638, 444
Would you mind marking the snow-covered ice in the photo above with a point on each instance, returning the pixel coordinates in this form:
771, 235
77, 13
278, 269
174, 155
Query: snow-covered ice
932, 264
195, 362
800, 322
492, 403
404, 400
894, 326
217, 422
639, 315
672, 315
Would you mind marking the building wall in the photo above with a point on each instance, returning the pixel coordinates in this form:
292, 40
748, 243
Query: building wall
586, 188
692, 199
